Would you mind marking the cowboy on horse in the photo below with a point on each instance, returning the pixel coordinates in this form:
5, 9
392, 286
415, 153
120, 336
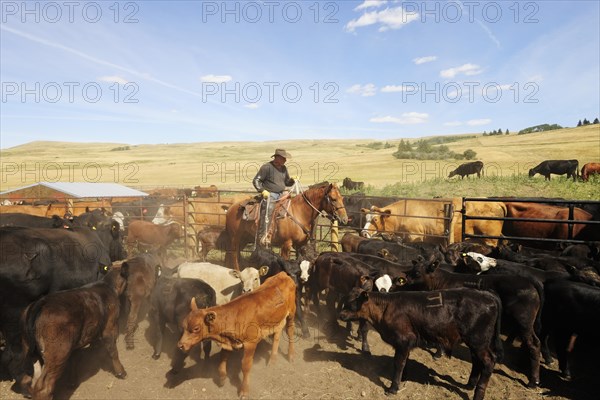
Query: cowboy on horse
271, 181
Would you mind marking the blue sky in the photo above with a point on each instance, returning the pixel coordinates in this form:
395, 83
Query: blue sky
189, 71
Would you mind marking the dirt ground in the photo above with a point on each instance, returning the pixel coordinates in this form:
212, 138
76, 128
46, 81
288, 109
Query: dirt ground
328, 366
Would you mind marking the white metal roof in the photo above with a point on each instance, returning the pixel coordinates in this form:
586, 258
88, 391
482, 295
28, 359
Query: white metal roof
87, 189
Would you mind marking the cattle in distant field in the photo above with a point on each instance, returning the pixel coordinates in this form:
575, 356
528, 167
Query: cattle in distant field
556, 167
143, 271
38, 261
158, 237
547, 230
227, 283
264, 312
33, 221
522, 300
59, 323
467, 169
445, 318
170, 304
589, 169
349, 184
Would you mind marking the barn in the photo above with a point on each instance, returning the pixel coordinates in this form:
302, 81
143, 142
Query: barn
71, 197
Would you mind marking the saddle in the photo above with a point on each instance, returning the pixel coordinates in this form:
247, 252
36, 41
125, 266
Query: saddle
251, 209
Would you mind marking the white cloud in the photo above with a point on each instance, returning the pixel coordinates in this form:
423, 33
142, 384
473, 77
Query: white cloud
390, 18
535, 78
409, 118
478, 122
453, 123
113, 78
364, 90
215, 78
397, 88
370, 4
423, 60
252, 106
467, 69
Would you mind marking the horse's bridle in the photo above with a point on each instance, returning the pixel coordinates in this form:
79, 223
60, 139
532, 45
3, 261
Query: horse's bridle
334, 215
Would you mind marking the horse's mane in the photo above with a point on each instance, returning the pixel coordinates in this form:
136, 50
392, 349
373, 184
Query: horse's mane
319, 185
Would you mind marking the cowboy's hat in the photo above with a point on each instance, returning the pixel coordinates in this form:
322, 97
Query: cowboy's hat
282, 153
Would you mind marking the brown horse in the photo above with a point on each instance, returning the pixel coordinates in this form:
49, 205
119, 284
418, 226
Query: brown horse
293, 228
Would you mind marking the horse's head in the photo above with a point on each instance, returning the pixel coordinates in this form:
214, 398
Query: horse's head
334, 204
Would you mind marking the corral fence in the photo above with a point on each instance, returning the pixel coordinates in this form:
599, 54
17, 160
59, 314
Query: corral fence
404, 207
570, 221
199, 214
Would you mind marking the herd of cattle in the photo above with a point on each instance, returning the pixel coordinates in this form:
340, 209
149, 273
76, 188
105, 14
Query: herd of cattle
405, 271
545, 168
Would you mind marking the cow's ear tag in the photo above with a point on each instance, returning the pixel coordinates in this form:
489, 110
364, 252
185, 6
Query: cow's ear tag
263, 270
210, 317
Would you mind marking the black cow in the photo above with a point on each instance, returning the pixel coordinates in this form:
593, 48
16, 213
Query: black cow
338, 273
381, 266
38, 261
356, 201
62, 322
522, 300
479, 264
298, 270
109, 231
445, 318
170, 304
556, 167
570, 314
349, 184
34, 221
467, 169
402, 252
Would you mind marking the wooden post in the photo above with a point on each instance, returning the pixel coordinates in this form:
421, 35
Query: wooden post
335, 237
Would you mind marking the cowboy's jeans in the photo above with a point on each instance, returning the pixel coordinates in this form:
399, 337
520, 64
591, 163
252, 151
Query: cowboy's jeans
266, 215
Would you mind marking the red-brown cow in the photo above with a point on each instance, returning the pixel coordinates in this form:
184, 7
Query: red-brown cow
589, 169
243, 323
547, 230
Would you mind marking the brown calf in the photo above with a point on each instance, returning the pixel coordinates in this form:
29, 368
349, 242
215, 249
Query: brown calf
143, 273
152, 235
59, 323
243, 323
206, 240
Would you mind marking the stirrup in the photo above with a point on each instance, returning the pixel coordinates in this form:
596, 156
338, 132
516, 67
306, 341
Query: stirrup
265, 241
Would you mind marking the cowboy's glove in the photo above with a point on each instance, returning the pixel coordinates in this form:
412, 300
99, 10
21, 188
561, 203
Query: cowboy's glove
265, 193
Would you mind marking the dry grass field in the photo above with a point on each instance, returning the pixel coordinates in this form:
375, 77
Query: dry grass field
231, 165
